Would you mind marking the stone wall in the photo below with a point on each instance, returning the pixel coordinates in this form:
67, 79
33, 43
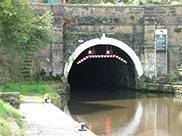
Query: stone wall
13, 98
88, 22
51, 59
163, 17
134, 25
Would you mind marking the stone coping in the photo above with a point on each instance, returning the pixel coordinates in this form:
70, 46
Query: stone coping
2, 93
108, 6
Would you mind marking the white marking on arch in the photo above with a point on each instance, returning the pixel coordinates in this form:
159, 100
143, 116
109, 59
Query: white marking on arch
103, 41
102, 56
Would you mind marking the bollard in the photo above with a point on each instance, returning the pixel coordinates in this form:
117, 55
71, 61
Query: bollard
82, 127
46, 100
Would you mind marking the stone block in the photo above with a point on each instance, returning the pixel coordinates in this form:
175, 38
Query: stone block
173, 61
149, 32
58, 21
57, 37
149, 62
13, 98
57, 52
161, 10
57, 46
140, 29
57, 69
149, 13
149, 8
139, 36
161, 63
149, 44
124, 29
57, 10
150, 20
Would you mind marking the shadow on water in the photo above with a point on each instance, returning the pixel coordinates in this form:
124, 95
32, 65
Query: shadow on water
90, 108
89, 100
95, 93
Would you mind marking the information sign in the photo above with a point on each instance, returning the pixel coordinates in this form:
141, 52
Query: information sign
161, 40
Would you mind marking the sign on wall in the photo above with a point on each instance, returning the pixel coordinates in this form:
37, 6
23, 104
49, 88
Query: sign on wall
161, 39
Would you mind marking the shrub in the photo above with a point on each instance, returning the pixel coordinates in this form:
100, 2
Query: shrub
21, 32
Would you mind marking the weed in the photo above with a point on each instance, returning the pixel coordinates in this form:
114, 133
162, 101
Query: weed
92, 20
142, 46
101, 20
132, 17
177, 30
142, 21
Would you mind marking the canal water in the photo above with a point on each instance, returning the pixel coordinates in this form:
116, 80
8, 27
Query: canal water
116, 112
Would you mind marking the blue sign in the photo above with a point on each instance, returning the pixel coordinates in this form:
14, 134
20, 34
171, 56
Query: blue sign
161, 42
50, 1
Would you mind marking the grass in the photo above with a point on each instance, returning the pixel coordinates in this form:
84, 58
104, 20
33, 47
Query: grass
41, 90
8, 114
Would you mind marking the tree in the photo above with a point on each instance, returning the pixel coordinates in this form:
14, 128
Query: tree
22, 31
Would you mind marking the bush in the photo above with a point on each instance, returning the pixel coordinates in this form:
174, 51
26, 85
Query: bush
21, 32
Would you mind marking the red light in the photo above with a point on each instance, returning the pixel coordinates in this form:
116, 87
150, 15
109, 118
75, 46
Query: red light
90, 126
90, 52
108, 126
108, 52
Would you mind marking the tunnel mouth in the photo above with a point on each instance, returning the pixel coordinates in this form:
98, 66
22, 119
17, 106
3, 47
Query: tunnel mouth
102, 72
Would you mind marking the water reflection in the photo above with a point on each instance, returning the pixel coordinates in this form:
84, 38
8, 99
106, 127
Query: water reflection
126, 113
108, 126
131, 127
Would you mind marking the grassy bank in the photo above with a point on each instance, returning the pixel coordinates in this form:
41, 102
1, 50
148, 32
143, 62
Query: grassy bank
8, 114
41, 90
26, 89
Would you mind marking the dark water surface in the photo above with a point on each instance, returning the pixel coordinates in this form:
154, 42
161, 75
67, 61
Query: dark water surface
109, 112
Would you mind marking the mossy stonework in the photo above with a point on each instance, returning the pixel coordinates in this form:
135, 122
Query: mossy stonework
133, 25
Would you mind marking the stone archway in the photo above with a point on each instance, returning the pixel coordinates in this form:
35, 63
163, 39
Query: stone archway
103, 41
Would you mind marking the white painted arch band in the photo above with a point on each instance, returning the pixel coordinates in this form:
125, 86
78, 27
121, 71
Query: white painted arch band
103, 41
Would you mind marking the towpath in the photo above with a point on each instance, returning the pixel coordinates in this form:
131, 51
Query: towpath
48, 120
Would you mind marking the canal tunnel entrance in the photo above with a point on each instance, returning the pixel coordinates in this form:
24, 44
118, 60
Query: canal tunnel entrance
99, 73
106, 67
102, 64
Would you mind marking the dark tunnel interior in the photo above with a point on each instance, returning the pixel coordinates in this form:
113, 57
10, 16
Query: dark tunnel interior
101, 73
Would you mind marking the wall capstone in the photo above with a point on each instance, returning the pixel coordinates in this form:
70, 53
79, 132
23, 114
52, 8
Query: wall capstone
13, 98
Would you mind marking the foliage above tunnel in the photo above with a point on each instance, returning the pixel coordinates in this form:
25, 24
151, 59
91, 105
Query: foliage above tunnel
125, 2
21, 32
